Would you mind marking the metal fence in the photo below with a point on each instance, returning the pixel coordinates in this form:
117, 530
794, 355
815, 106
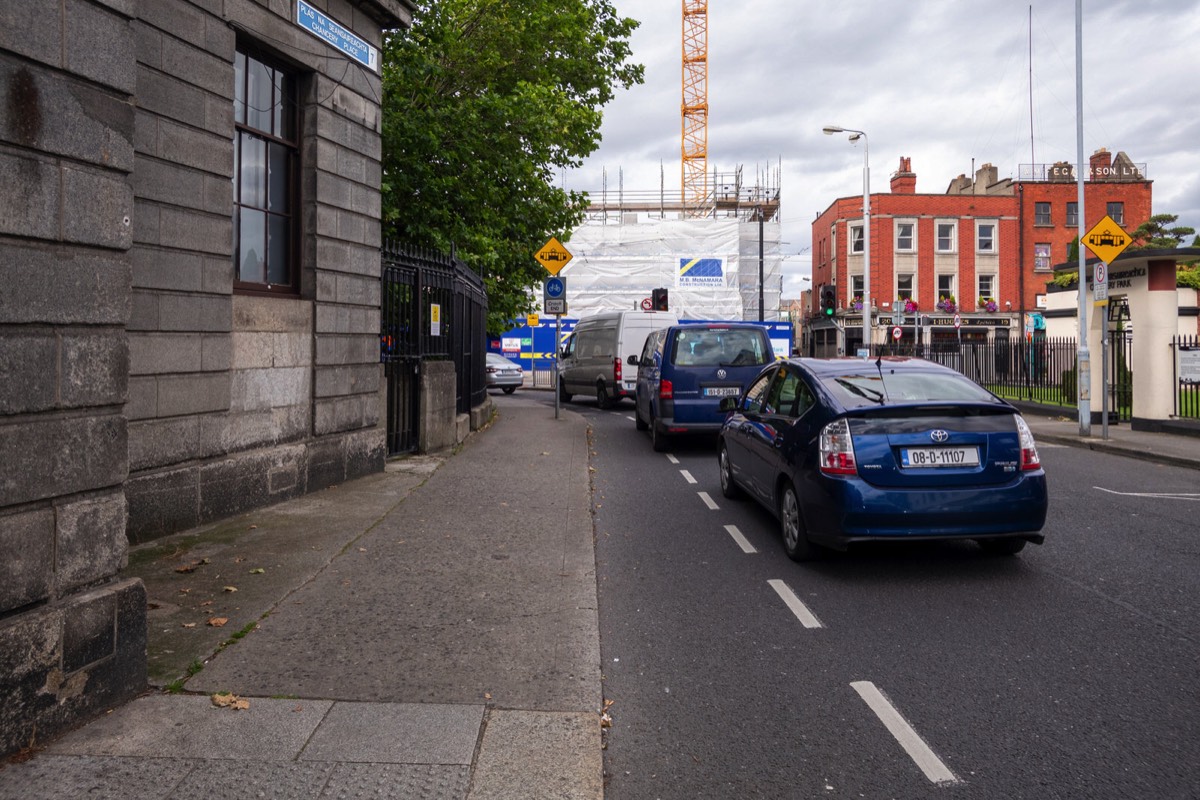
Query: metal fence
1186, 350
432, 307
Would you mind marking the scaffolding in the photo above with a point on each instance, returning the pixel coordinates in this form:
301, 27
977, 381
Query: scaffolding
634, 241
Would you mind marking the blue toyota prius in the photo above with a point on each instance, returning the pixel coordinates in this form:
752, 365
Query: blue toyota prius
847, 450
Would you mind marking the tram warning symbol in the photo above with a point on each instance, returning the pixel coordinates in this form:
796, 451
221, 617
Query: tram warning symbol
553, 256
1106, 239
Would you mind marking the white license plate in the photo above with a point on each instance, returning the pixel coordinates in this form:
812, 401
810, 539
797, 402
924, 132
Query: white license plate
939, 457
722, 391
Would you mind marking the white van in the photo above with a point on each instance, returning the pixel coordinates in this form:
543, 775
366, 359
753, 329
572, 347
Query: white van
595, 357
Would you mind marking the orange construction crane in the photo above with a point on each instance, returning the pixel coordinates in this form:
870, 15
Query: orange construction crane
694, 149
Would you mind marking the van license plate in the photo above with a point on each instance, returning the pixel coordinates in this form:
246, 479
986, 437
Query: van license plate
722, 391
939, 457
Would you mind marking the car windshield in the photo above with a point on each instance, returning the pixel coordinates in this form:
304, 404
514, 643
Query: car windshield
726, 347
878, 387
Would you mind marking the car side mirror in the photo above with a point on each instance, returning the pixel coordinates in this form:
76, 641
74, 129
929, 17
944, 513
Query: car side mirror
634, 361
729, 403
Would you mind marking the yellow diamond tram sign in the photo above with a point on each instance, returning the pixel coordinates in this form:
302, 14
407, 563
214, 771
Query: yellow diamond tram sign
1106, 239
553, 256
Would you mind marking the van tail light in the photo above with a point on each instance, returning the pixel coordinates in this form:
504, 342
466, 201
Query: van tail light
617, 370
1029, 454
666, 390
837, 449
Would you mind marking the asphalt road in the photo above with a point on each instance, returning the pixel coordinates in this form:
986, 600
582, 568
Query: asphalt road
1069, 671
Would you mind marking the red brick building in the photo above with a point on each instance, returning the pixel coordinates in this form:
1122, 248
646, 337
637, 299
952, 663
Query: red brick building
983, 250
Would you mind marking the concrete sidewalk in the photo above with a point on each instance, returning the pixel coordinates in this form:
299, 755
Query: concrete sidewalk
429, 632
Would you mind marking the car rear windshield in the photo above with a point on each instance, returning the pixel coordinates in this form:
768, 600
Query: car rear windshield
720, 347
877, 387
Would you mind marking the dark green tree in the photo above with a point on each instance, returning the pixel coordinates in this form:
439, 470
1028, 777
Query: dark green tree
484, 101
1160, 233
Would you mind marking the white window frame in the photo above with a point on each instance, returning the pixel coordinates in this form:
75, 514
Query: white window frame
856, 289
994, 226
912, 235
947, 291
854, 232
1041, 263
991, 279
911, 278
953, 226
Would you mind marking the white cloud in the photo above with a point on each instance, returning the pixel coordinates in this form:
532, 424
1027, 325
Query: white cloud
943, 82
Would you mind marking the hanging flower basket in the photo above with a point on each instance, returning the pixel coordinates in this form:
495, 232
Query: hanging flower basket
947, 304
910, 305
988, 304
857, 304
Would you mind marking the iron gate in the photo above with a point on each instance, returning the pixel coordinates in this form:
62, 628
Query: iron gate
432, 307
1120, 376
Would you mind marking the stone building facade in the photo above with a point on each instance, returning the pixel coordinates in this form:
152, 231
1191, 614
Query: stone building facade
189, 302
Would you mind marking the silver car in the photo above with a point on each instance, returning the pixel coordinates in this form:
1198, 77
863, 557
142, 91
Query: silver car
503, 373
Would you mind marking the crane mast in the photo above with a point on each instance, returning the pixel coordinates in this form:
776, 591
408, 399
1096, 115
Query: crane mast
694, 149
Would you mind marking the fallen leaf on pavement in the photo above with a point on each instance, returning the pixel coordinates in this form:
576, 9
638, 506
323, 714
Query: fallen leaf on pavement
217, 622
188, 624
229, 700
207, 603
187, 567
231, 588
252, 527
257, 571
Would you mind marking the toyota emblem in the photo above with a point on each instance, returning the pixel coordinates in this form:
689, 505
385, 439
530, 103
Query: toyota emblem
721, 374
939, 435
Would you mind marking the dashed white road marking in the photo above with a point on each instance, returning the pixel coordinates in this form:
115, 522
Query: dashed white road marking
741, 540
630, 418
1162, 495
909, 739
672, 459
708, 501
795, 604
687, 476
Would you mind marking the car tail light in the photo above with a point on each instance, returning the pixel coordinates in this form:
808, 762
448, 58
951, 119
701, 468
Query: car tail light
666, 390
617, 370
837, 449
1029, 453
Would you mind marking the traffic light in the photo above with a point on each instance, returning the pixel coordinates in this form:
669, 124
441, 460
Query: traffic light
658, 299
828, 300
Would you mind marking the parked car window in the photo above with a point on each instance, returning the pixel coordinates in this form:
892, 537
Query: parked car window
756, 394
711, 347
783, 394
877, 388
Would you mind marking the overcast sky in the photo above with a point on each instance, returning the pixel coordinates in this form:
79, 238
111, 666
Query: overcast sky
946, 83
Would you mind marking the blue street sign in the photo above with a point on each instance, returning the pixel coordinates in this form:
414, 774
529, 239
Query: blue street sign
323, 27
555, 287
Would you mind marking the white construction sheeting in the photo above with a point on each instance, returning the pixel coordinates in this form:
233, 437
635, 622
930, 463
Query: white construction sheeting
708, 266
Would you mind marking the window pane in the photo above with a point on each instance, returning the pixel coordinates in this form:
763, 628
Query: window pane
945, 241
239, 87
1117, 212
277, 189
259, 100
904, 236
284, 113
237, 169
278, 250
252, 241
254, 171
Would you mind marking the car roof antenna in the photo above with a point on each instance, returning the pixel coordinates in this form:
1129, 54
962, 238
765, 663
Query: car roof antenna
882, 382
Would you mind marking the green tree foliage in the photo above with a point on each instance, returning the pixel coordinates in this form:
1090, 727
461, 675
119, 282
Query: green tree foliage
1160, 233
484, 101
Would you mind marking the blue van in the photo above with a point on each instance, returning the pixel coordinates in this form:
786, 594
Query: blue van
685, 370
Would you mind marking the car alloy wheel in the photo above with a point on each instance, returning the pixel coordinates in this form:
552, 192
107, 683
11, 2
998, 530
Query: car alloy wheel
729, 487
795, 538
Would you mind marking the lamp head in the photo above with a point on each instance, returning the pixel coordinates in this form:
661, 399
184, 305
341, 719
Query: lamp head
830, 130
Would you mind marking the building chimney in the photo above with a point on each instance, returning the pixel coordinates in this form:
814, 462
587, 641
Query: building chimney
904, 180
985, 177
1101, 163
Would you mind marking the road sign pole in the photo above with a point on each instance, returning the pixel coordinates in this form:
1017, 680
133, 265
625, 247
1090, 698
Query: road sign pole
557, 347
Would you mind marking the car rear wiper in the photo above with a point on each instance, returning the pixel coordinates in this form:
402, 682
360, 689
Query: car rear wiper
869, 394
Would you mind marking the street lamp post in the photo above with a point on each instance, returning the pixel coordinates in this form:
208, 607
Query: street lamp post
829, 130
